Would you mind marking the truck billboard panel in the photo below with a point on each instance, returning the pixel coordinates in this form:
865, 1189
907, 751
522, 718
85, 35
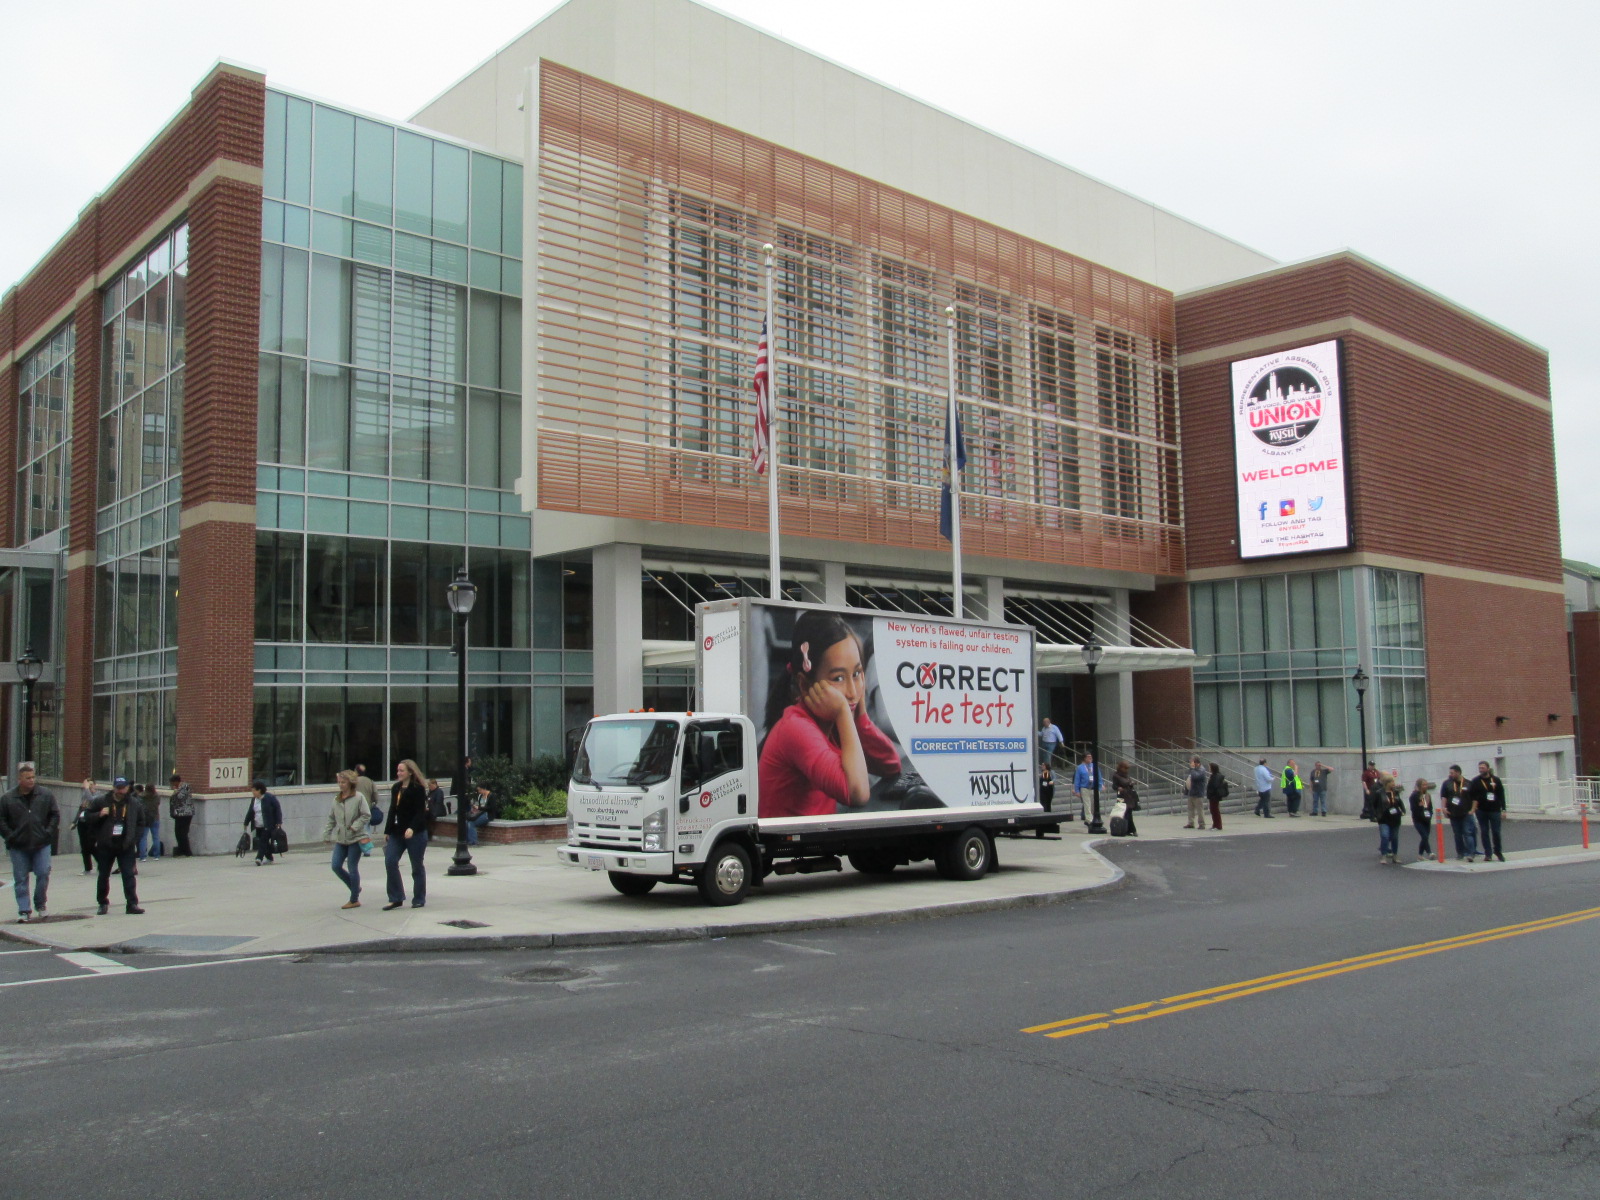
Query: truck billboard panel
871, 712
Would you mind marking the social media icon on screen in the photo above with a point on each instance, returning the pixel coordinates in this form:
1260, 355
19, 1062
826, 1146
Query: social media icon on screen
1286, 508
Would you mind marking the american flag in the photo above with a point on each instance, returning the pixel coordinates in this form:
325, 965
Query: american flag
761, 447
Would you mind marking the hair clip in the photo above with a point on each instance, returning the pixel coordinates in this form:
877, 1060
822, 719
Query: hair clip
805, 657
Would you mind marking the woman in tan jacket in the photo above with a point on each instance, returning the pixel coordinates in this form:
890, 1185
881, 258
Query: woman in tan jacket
347, 829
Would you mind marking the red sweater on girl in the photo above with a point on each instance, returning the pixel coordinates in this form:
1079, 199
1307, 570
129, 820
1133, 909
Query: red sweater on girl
802, 774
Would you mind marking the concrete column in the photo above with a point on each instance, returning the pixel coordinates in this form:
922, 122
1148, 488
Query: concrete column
618, 628
1113, 693
833, 587
990, 604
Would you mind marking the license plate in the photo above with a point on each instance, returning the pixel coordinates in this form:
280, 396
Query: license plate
595, 862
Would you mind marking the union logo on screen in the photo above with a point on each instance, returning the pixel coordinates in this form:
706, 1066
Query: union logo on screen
1284, 405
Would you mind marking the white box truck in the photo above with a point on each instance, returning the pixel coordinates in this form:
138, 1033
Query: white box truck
882, 738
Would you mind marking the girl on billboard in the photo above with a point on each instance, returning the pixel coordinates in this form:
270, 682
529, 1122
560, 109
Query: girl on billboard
821, 746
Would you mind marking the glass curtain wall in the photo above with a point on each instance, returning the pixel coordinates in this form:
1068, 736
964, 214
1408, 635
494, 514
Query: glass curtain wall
136, 553
44, 436
1283, 648
388, 442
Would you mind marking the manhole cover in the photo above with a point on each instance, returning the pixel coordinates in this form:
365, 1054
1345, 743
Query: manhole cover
463, 923
549, 975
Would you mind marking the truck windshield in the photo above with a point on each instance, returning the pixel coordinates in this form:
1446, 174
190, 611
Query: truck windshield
626, 752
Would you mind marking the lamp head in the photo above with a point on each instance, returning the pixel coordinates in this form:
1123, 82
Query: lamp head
1093, 651
1360, 679
30, 666
462, 593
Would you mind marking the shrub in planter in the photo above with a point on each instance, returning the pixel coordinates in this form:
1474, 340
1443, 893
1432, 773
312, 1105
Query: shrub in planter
535, 804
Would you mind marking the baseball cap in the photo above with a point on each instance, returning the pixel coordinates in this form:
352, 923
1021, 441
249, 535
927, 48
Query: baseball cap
119, 781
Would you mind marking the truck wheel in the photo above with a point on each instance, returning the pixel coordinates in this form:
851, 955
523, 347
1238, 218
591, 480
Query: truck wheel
966, 855
630, 885
872, 862
725, 879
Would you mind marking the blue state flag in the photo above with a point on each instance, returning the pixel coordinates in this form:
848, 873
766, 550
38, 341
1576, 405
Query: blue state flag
946, 500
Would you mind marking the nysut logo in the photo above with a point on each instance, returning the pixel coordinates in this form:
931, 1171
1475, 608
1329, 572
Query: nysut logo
1284, 404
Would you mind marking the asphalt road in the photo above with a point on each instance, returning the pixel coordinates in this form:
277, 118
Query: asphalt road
881, 1062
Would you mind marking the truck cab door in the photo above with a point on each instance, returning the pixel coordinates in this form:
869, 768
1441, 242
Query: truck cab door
713, 786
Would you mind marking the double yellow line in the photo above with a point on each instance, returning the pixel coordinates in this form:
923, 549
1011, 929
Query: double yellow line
1090, 1022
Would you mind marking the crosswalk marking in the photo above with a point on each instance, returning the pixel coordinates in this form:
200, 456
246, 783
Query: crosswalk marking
97, 963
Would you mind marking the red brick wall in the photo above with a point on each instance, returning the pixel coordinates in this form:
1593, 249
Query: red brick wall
223, 121
1495, 652
1413, 428
1346, 284
1163, 701
216, 604
1586, 657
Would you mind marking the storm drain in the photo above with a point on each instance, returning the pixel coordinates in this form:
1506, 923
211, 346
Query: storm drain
549, 975
463, 923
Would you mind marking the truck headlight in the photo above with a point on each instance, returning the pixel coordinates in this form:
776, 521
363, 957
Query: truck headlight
572, 828
655, 830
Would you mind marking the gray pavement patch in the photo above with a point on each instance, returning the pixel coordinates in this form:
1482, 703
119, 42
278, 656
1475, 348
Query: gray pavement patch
196, 943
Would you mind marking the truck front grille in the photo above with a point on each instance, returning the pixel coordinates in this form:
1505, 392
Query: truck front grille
623, 837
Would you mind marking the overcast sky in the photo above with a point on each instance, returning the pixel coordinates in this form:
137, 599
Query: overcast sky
1454, 141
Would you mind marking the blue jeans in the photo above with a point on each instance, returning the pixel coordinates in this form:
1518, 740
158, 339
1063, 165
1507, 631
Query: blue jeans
1466, 831
474, 824
414, 846
153, 833
1319, 802
1388, 839
1489, 833
38, 862
347, 866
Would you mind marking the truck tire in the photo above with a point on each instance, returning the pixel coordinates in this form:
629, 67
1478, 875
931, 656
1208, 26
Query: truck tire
725, 879
630, 885
872, 862
965, 855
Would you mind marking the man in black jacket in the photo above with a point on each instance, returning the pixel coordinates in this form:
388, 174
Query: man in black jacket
116, 819
30, 822
1488, 796
265, 816
1457, 806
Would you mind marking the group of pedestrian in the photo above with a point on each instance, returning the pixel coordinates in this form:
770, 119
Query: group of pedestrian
1293, 785
112, 828
1474, 807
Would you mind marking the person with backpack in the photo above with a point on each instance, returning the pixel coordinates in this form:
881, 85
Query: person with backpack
115, 821
182, 808
1216, 793
1122, 784
1292, 786
1390, 809
346, 830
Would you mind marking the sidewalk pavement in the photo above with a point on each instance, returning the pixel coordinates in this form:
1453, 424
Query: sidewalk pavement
1547, 856
521, 897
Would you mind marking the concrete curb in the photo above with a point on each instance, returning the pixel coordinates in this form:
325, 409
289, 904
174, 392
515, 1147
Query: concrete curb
708, 931
1516, 864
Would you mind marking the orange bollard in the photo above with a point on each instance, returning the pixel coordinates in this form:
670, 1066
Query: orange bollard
1438, 835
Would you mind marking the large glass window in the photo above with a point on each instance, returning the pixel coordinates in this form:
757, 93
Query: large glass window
44, 436
1282, 648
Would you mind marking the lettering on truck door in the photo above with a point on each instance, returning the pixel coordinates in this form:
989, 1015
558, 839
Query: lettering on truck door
712, 783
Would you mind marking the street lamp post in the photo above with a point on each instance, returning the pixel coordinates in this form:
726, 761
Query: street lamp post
29, 667
1360, 680
462, 594
1093, 652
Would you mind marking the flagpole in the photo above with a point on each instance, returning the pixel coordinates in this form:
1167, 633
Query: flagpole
775, 587
951, 463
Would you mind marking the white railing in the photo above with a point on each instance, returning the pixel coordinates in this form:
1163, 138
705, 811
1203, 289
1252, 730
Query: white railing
1552, 797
